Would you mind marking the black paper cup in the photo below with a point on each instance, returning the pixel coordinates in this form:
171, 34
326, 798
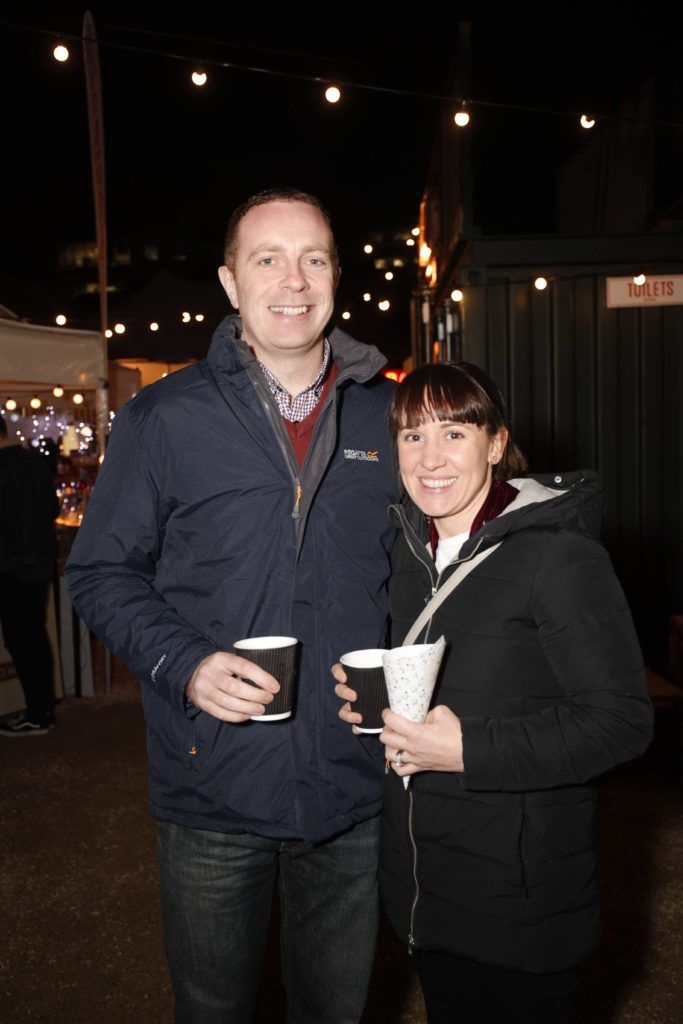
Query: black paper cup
276, 655
365, 675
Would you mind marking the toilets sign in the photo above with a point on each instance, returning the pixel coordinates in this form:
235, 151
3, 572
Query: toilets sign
656, 290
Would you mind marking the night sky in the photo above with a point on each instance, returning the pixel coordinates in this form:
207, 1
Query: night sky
180, 158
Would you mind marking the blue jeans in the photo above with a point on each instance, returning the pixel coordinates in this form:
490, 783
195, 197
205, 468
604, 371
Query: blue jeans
216, 892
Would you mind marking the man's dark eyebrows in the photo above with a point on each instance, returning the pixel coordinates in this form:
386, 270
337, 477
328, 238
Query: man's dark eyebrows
276, 247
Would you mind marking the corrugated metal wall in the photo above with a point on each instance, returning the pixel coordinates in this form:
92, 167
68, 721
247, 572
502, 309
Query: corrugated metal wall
601, 388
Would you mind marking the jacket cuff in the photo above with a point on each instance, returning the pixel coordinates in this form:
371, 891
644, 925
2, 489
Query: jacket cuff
170, 676
479, 756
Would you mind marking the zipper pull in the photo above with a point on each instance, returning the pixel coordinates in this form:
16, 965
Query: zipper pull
295, 511
411, 944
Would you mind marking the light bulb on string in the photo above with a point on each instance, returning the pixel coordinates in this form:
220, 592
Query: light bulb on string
462, 117
332, 94
384, 305
35, 402
154, 326
456, 295
639, 279
541, 283
389, 276
60, 53
586, 121
58, 391
77, 399
60, 319
199, 317
199, 77
415, 232
346, 315
108, 333
367, 296
185, 317
410, 241
10, 404
367, 249
119, 328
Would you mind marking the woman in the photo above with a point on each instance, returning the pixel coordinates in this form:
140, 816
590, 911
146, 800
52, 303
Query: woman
489, 859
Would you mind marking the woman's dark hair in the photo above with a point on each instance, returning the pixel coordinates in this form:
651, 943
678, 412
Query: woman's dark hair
456, 393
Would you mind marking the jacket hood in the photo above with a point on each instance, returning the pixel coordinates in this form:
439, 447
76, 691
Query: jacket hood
572, 501
230, 354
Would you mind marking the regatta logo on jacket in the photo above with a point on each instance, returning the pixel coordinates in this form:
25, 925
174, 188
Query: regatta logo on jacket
353, 453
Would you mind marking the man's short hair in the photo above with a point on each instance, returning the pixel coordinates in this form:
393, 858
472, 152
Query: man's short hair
274, 195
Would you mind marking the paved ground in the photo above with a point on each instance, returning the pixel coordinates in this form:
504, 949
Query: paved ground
81, 936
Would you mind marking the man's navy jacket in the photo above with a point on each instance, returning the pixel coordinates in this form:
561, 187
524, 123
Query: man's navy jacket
202, 531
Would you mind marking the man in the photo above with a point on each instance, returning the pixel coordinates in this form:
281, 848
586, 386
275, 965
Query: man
246, 496
28, 509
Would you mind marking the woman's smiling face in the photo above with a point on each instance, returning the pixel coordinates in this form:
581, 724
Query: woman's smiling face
446, 468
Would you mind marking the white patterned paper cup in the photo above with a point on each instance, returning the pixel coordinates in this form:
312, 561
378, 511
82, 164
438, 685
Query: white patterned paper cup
410, 673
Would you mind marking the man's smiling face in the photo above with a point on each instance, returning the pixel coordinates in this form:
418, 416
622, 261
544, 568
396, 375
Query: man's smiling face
284, 278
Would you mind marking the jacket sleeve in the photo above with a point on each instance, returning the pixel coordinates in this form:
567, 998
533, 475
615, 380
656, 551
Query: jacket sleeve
111, 571
587, 635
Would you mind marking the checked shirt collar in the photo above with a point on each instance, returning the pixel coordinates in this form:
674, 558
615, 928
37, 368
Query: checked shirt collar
297, 408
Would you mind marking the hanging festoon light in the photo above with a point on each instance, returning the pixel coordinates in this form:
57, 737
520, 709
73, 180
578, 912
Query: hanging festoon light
456, 295
199, 317
185, 317
367, 297
462, 117
410, 241
77, 399
10, 404
58, 391
154, 326
586, 121
389, 276
60, 319
119, 328
639, 279
60, 53
384, 305
332, 94
367, 249
346, 315
541, 283
415, 232
199, 77
108, 333
35, 402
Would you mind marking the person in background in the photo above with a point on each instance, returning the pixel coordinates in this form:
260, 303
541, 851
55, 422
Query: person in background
489, 862
28, 509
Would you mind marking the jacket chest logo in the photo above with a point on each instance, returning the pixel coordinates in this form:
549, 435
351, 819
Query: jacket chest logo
359, 456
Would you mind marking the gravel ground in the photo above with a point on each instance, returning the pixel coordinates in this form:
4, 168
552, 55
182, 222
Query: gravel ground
79, 899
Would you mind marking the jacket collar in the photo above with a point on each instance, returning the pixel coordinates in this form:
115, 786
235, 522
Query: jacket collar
230, 355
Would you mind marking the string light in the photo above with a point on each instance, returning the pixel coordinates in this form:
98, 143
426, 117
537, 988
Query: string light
60, 319
462, 117
60, 53
10, 404
108, 333
541, 283
367, 296
199, 317
78, 398
367, 248
185, 317
415, 232
384, 305
332, 94
410, 241
346, 315
35, 403
639, 279
199, 77
120, 328
586, 121
389, 276
456, 295
58, 391
154, 326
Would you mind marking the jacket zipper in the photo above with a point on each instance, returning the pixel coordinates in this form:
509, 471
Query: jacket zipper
411, 931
